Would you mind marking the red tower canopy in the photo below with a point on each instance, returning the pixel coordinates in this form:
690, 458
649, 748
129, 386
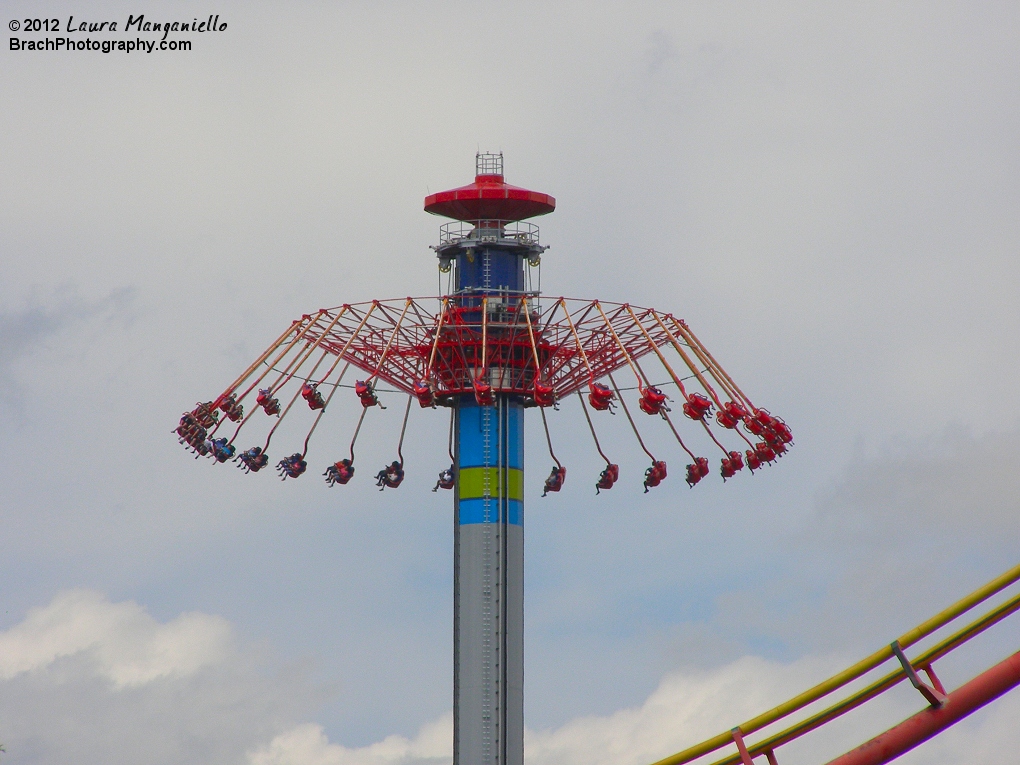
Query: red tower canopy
489, 198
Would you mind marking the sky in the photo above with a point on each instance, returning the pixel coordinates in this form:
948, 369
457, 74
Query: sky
829, 195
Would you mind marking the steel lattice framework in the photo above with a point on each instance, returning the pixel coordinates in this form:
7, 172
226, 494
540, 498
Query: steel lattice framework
439, 348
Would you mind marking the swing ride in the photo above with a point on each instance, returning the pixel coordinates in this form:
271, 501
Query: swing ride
489, 349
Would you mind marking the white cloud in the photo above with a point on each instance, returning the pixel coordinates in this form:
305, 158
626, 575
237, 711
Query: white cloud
83, 671
307, 745
85, 679
127, 645
686, 708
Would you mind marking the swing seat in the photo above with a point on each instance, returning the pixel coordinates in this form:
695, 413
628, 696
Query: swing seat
655, 475
292, 467
194, 436
735, 410
726, 420
253, 460
731, 414
600, 396
653, 400
697, 470
390, 476
555, 480
608, 477
189, 430
765, 452
424, 393
697, 406
782, 430
731, 464
339, 472
310, 394
205, 415
483, 393
446, 479
543, 394
366, 393
221, 450
231, 409
269, 404
753, 461
760, 422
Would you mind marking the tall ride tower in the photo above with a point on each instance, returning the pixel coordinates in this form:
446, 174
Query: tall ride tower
489, 349
488, 246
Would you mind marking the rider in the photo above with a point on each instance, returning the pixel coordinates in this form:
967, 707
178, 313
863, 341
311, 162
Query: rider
600, 396
608, 477
221, 450
697, 470
253, 460
445, 479
652, 400
339, 472
310, 393
655, 474
555, 480
292, 466
391, 476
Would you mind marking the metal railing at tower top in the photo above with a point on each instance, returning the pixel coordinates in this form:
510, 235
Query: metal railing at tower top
932, 690
464, 231
488, 163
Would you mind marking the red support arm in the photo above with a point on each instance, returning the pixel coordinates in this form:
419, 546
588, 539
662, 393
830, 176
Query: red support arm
986, 687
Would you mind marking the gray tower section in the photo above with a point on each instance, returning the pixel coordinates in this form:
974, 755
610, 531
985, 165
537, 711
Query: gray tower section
489, 585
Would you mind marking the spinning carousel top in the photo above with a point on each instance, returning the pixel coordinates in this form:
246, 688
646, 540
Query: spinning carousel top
485, 347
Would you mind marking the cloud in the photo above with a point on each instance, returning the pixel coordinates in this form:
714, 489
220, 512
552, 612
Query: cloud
689, 707
950, 498
898, 537
126, 645
86, 679
83, 671
38, 325
953, 485
307, 745
686, 708
21, 330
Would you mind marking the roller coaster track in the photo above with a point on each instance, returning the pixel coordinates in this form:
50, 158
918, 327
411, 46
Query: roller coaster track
944, 708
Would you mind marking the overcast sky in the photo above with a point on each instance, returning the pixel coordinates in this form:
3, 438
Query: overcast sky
828, 193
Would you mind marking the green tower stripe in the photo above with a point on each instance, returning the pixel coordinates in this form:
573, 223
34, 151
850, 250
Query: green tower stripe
472, 482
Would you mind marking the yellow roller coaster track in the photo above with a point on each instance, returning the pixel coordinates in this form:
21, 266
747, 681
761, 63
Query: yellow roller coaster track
906, 669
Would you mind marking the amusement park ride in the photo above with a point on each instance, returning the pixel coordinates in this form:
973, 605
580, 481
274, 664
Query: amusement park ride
487, 351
